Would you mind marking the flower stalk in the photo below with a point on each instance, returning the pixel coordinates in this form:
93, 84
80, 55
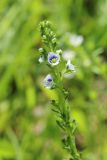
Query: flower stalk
54, 80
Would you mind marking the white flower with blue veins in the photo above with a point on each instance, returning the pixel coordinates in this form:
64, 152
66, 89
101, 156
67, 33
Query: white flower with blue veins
70, 66
48, 81
53, 58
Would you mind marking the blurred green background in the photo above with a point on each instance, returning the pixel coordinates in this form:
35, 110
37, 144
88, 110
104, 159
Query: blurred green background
28, 130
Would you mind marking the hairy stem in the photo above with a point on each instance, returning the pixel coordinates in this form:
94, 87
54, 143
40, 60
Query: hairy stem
62, 103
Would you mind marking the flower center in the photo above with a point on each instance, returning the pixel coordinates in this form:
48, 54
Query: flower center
54, 60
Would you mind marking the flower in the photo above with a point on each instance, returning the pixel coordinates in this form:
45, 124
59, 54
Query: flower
70, 72
76, 40
68, 55
41, 59
70, 66
53, 58
48, 81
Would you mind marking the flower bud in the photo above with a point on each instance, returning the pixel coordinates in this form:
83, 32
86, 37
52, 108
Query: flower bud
41, 50
54, 40
41, 59
44, 37
59, 51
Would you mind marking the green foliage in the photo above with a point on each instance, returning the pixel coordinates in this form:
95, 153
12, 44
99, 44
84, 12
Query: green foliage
27, 126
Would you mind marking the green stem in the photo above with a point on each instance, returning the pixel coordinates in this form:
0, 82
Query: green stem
74, 153
62, 104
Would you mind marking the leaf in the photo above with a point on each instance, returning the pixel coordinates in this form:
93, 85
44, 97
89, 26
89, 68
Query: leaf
6, 149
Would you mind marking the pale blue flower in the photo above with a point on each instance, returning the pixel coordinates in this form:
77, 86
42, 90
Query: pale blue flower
70, 66
48, 81
69, 72
53, 59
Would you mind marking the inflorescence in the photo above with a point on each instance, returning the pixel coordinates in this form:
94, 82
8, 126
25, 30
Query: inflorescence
59, 69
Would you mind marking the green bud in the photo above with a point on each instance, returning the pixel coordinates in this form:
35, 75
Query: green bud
59, 51
47, 23
44, 37
41, 50
54, 40
51, 33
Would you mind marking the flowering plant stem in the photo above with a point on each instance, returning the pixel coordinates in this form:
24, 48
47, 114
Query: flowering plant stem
64, 120
59, 106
